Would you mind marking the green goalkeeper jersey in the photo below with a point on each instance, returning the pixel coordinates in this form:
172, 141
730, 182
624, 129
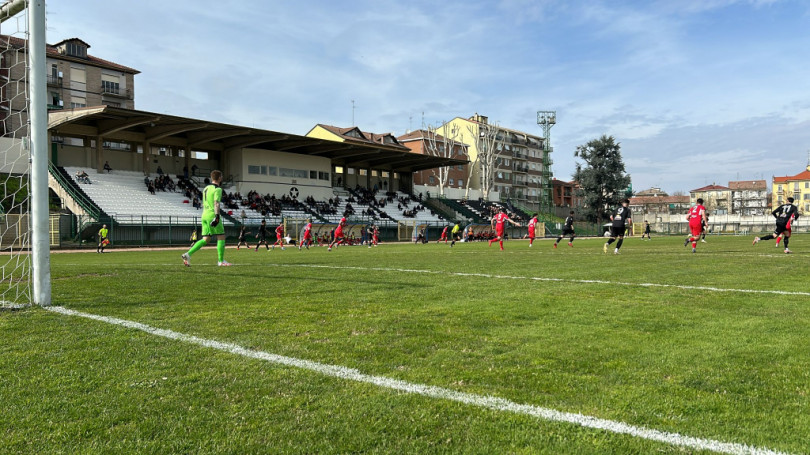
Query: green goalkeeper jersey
211, 195
455, 230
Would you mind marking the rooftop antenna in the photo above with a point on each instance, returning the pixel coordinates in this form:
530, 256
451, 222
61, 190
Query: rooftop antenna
353, 124
410, 123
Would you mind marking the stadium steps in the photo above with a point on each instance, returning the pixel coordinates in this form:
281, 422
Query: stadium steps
465, 210
438, 206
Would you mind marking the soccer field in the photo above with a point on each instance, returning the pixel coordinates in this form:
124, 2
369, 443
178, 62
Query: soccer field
417, 349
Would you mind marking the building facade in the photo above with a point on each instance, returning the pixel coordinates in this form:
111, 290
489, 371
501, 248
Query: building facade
749, 197
519, 165
420, 141
75, 79
365, 176
565, 194
716, 198
654, 205
795, 186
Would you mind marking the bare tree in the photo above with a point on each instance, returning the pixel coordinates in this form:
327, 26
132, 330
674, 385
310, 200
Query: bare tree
486, 138
445, 145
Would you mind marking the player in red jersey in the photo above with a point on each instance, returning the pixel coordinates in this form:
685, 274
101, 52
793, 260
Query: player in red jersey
532, 224
376, 236
338, 234
279, 236
306, 239
444, 235
498, 223
696, 217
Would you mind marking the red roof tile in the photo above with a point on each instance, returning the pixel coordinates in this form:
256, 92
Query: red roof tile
748, 185
711, 188
804, 175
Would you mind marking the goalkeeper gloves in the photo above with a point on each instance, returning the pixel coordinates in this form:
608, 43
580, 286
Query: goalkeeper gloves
216, 221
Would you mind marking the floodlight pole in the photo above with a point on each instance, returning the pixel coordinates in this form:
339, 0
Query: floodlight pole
547, 119
38, 149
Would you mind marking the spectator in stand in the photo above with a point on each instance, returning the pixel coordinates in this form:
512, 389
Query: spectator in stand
152, 190
159, 171
107, 166
185, 172
196, 202
194, 169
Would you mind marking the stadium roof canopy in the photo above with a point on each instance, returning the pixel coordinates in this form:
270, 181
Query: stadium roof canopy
115, 124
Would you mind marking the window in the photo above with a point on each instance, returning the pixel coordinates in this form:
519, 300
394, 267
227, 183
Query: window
351, 170
460, 183
272, 170
374, 173
431, 180
112, 104
313, 175
300, 173
396, 175
338, 169
460, 167
76, 49
323, 176
807, 184
385, 174
363, 172
78, 75
254, 170
806, 196
78, 102
110, 87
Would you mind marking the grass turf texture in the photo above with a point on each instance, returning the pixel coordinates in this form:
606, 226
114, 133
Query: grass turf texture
718, 365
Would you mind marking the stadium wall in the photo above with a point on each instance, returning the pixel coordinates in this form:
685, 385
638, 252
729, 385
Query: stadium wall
125, 160
320, 189
455, 193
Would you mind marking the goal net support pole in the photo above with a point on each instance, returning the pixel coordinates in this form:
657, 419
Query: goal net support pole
41, 261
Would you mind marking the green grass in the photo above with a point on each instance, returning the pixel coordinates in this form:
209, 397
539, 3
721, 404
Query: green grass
729, 366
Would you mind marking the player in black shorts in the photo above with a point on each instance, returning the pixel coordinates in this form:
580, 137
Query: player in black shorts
262, 236
242, 234
568, 229
621, 220
646, 231
705, 225
785, 215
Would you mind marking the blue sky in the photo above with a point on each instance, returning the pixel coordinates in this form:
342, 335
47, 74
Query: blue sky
696, 92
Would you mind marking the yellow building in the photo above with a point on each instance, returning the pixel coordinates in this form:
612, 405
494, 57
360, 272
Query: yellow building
519, 167
795, 186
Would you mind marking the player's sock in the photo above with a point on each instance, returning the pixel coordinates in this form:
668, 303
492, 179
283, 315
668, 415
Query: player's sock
500, 242
786, 242
558, 239
694, 244
220, 250
619, 243
778, 239
767, 237
200, 243
611, 240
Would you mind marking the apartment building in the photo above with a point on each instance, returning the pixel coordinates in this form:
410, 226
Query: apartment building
420, 141
75, 79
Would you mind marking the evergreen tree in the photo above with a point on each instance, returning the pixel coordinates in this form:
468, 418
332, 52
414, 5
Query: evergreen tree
602, 177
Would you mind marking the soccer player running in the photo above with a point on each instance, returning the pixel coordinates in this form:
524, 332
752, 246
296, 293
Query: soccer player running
785, 214
338, 239
621, 220
444, 235
212, 225
242, 240
499, 222
375, 235
102, 238
454, 234
262, 236
306, 239
531, 226
279, 236
568, 229
696, 218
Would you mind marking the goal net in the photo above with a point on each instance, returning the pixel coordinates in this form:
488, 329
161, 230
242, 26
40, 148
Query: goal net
15, 167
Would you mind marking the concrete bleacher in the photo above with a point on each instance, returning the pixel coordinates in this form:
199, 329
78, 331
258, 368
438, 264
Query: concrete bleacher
123, 195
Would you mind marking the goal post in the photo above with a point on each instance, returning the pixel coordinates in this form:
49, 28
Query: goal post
24, 221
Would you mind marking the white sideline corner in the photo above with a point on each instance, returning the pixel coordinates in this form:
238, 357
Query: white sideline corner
481, 401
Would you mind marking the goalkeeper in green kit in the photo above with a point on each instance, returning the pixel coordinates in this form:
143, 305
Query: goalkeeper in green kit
211, 223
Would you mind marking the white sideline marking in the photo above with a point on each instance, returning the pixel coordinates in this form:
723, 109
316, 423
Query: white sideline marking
481, 401
535, 278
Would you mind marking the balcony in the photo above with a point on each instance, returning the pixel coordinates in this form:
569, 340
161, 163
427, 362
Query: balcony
58, 106
54, 81
116, 92
523, 169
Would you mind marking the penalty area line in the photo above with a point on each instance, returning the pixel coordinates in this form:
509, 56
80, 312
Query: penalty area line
481, 401
549, 279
